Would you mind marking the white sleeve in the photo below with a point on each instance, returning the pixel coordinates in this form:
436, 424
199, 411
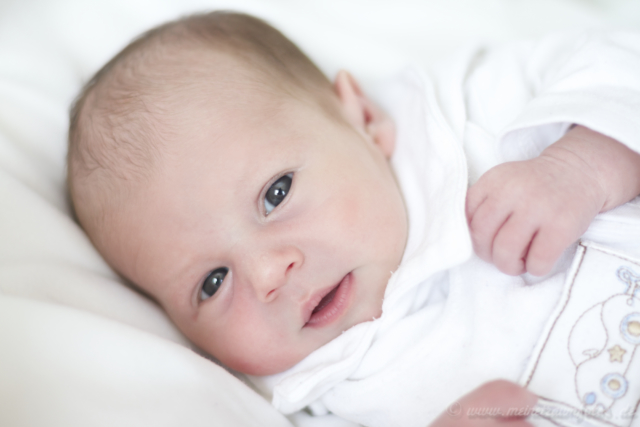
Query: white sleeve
523, 96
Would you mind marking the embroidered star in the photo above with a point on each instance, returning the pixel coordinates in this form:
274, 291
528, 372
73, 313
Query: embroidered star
615, 353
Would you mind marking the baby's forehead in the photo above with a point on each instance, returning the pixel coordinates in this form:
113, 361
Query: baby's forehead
253, 128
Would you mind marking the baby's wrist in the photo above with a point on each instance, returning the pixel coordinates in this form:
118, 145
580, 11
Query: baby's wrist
580, 170
610, 170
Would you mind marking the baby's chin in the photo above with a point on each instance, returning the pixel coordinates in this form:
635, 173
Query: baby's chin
261, 366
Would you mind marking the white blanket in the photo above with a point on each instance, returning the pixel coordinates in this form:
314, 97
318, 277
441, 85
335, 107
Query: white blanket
450, 321
79, 347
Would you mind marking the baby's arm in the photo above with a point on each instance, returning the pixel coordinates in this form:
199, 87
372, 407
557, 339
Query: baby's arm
497, 403
523, 215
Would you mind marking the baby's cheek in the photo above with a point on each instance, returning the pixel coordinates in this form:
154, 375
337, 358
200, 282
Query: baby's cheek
353, 215
352, 212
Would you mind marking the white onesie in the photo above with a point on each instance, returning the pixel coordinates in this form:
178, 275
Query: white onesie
451, 321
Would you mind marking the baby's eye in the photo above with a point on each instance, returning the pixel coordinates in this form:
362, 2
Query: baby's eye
213, 282
277, 192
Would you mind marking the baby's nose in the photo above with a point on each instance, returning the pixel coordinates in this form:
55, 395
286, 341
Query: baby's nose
271, 269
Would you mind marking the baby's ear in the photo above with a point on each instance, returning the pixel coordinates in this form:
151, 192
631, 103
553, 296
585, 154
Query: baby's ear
364, 114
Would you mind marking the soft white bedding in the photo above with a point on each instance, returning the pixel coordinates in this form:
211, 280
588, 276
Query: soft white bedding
77, 346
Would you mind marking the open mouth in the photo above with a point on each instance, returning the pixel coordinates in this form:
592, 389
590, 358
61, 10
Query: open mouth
331, 305
325, 300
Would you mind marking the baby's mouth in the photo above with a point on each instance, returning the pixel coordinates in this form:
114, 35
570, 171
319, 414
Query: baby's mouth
331, 305
325, 300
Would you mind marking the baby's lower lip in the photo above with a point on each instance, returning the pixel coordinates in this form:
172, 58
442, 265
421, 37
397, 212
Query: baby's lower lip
333, 309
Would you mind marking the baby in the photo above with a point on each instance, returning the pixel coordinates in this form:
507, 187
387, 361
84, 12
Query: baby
216, 168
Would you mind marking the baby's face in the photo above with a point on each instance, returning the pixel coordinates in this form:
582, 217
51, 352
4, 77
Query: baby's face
266, 232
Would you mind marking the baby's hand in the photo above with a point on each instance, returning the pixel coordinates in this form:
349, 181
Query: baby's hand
497, 403
523, 215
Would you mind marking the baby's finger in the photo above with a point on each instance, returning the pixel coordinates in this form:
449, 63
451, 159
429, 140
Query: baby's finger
476, 195
515, 422
496, 403
502, 395
511, 244
546, 248
486, 221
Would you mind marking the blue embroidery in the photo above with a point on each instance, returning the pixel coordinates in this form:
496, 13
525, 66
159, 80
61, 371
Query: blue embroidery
615, 325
